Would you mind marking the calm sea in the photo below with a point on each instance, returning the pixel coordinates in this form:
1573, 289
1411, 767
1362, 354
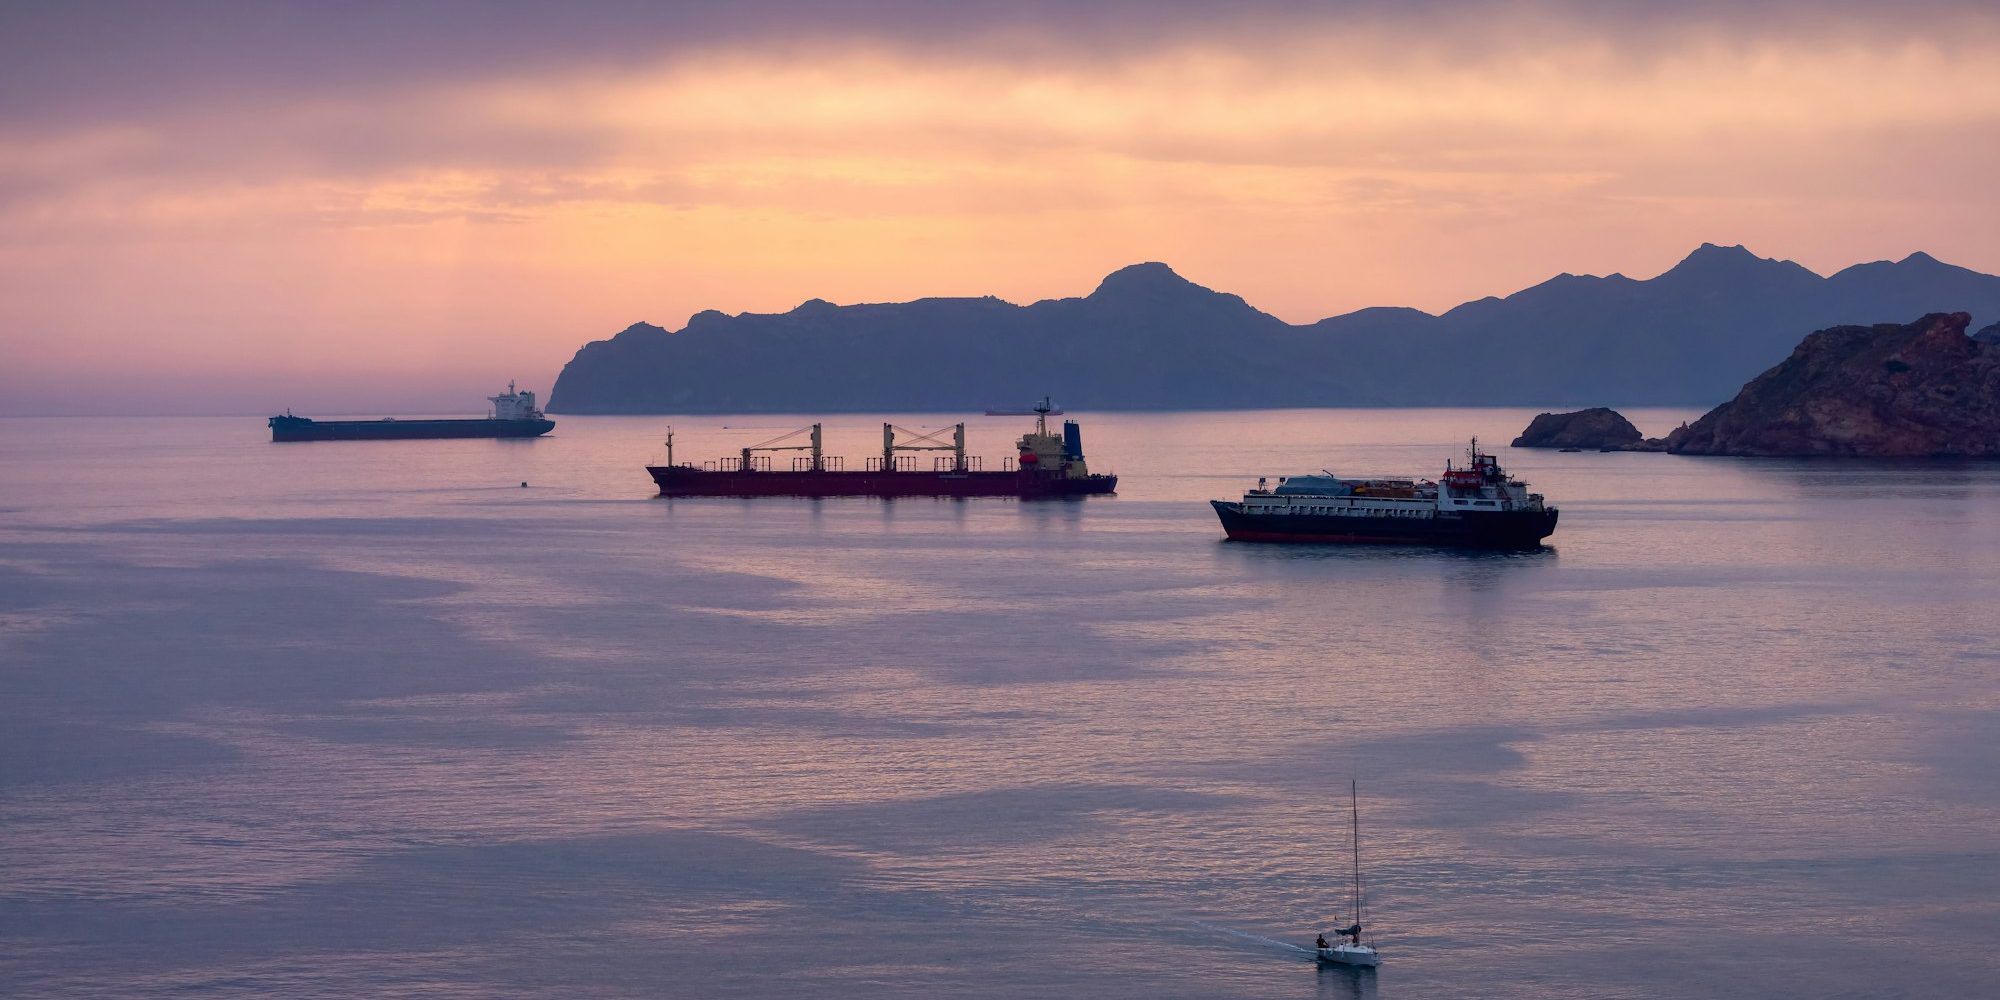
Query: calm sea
375, 719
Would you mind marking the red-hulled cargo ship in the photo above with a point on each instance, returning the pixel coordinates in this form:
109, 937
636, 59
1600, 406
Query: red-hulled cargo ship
1048, 465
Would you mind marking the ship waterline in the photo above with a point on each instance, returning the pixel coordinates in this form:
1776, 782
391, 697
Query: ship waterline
1511, 530
689, 481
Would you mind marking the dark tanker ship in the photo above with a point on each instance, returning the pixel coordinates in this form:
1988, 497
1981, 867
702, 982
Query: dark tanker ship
1047, 466
1476, 507
513, 416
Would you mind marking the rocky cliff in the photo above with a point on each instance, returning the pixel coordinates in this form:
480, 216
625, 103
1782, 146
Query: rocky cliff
1921, 389
1598, 428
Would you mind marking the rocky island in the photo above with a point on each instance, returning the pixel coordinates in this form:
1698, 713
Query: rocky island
1599, 428
1917, 390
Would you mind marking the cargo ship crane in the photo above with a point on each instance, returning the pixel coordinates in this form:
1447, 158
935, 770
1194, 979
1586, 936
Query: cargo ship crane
923, 442
771, 444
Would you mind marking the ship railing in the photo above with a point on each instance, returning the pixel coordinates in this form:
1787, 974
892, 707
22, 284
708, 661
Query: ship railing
1008, 463
903, 463
947, 463
827, 463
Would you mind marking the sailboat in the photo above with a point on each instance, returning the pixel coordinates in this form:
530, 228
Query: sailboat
1350, 950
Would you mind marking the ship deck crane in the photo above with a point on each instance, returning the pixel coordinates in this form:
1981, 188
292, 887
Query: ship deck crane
923, 442
917, 441
772, 444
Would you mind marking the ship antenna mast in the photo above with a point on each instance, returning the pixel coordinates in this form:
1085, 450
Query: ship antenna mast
1042, 416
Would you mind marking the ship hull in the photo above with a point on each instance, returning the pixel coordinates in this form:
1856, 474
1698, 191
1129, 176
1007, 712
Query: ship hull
304, 429
682, 481
1513, 529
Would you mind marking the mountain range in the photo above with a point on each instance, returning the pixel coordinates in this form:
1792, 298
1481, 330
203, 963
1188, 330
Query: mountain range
1147, 338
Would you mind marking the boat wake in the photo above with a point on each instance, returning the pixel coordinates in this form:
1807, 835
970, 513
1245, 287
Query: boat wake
1261, 939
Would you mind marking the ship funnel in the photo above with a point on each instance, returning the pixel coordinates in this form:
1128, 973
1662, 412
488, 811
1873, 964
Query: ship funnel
1072, 440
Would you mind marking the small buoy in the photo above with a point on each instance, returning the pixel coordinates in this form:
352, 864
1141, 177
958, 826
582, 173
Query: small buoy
524, 486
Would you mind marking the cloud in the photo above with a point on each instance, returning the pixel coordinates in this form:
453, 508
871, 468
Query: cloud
516, 179
116, 60
883, 130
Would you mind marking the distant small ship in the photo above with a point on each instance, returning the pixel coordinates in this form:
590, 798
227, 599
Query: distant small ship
1479, 507
1053, 411
514, 415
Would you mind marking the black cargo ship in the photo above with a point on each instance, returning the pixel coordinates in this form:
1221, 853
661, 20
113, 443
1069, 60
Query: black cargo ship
514, 416
1475, 507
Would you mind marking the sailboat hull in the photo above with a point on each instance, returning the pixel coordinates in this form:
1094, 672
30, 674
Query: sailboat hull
1347, 954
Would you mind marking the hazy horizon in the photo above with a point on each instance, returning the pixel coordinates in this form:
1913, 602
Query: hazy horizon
236, 207
458, 392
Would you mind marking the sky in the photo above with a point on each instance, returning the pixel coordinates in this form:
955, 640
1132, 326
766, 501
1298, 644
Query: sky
345, 208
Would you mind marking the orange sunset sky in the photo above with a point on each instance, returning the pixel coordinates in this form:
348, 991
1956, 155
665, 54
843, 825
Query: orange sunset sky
235, 208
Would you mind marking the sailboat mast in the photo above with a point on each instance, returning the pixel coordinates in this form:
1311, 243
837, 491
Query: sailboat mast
1354, 800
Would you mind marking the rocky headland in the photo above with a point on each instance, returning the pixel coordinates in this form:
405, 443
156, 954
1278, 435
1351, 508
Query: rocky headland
1922, 389
1917, 390
1599, 428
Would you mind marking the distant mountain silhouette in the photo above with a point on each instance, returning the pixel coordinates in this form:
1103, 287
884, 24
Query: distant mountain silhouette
1147, 338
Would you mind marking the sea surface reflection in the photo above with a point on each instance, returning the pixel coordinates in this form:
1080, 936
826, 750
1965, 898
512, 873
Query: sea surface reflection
364, 718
